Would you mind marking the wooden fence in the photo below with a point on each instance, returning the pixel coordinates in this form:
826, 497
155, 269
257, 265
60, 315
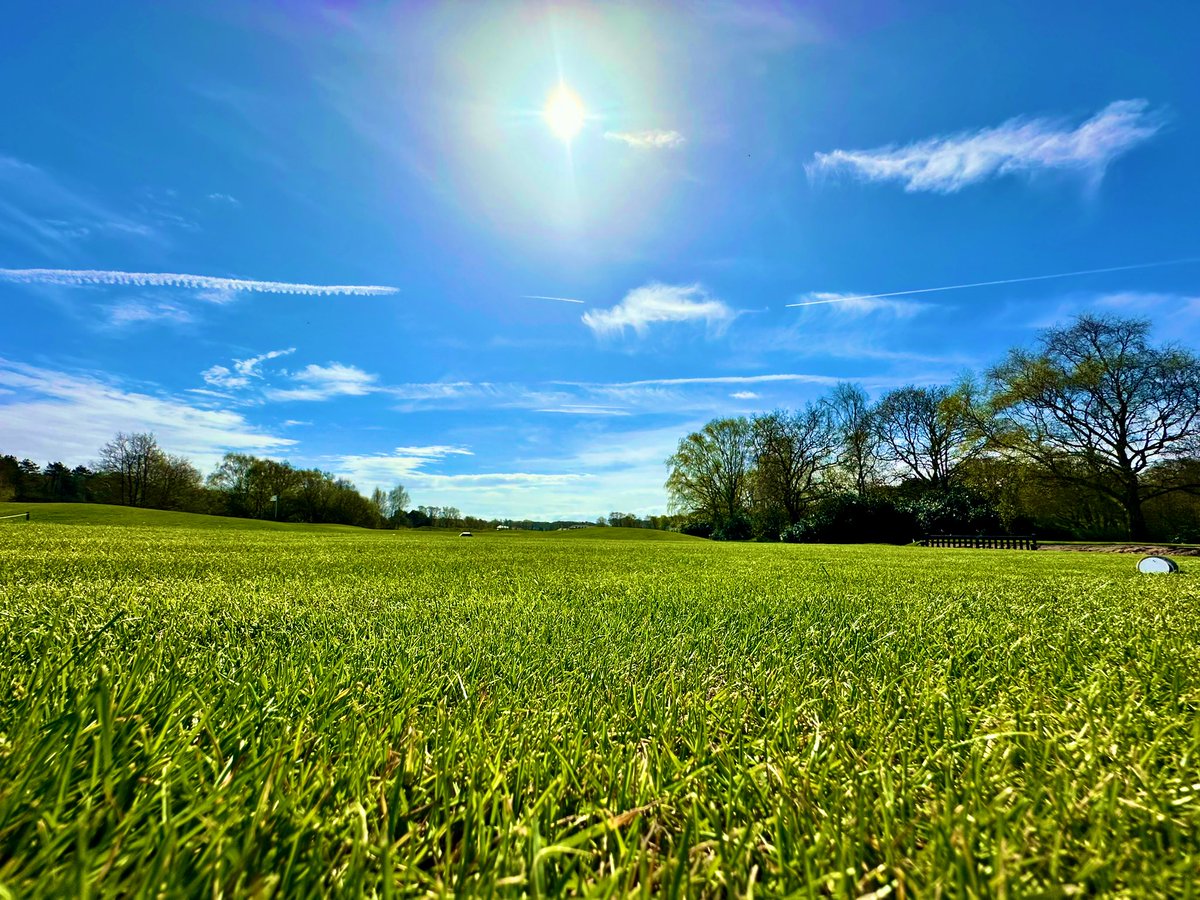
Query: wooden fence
24, 516
982, 541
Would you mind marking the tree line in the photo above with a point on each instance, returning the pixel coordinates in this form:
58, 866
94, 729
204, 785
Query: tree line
133, 470
1092, 434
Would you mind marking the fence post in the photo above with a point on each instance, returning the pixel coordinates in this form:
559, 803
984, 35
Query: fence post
26, 516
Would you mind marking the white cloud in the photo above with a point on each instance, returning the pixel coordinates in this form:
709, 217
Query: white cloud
409, 464
651, 139
656, 303
744, 395
136, 312
77, 277
243, 371
381, 469
59, 415
218, 197
734, 379
325, 382
1174, 316
949, 163
856, 306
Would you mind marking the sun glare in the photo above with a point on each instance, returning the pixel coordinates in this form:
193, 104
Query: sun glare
564, 113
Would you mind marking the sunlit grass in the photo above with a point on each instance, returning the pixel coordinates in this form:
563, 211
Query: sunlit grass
197, 711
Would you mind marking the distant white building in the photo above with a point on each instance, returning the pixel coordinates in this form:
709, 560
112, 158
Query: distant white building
503, 528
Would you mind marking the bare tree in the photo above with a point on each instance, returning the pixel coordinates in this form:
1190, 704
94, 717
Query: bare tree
398, 501
129, 458
791, 453
926, 431
1096, 405
854, 422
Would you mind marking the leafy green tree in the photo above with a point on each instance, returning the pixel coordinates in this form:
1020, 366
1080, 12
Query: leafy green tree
710, 475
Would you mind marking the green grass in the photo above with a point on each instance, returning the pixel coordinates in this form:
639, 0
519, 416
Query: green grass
290, 713
622, 534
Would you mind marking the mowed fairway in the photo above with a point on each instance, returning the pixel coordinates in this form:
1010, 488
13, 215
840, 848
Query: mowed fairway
191, 710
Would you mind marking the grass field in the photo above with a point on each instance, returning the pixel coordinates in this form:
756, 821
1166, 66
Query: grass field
253, 711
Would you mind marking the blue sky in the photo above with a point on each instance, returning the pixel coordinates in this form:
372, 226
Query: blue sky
323, 232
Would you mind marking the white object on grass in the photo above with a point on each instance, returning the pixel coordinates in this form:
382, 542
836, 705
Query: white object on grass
1157, 565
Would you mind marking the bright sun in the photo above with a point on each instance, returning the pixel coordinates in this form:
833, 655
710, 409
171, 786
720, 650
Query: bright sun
564, 113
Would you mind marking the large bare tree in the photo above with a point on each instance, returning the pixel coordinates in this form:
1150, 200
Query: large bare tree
1096, 405
926, 431
129, 458
792, 451
853, 420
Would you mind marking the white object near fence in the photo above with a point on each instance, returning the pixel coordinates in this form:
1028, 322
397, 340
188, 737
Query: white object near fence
1157, 565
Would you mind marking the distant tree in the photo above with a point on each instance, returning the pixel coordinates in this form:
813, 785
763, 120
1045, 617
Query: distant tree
10, 477
397, 502
30, 479
82, 483
58, 482
926, 431
128, 458
233, 478
173, 482
710, 474
379, 500
1095, 405
858, 438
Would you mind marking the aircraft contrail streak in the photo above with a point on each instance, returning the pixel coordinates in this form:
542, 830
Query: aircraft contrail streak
976, 284
541, 297
175, 279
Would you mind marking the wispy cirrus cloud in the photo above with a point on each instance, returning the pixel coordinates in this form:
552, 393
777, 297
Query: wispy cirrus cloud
142, 311
657, 303
649, 139
41, 211
947, 164
243, 370
403, 462
411, 465
326, 382
85, 277
855, 306
68, 416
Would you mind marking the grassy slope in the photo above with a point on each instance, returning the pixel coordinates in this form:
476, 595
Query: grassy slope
186, 711
104, 514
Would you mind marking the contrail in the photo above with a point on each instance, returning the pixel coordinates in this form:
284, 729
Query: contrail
957, 287
171, 279
541, 297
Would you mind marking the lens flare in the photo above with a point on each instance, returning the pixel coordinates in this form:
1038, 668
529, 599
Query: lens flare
564, 113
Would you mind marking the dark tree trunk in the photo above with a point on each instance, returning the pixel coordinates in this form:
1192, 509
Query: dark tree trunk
1133, 512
